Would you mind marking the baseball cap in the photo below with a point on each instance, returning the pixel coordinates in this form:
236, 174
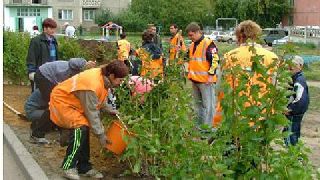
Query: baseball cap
298, 60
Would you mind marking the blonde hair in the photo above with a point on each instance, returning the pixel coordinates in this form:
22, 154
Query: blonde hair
248, 30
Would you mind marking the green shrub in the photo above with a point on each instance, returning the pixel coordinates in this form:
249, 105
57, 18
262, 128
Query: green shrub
167, 145
70, 48
15, 50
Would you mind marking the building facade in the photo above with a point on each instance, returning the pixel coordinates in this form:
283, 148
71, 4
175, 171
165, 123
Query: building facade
22, 15
303, 13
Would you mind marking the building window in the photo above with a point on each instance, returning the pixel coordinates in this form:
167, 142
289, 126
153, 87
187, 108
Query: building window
292, 3
36, 1
65, 14
17, 1
88, 14
28, 12
290, 20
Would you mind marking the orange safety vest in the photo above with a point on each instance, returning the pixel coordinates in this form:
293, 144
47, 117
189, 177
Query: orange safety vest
150, 67
198, 64
123, 49
243, 56
66, 110
173, 43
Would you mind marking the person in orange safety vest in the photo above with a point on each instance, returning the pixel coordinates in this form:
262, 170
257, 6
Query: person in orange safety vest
248, 30
150, 56
123, 48
203, 61
75, 104
176, 43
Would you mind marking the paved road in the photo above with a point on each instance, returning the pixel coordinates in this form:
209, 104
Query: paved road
11, 169
314, 83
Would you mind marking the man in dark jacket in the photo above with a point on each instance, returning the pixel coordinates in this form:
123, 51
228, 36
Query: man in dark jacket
299, 101
43, 48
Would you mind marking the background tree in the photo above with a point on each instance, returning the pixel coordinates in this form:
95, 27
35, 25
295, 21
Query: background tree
266, 13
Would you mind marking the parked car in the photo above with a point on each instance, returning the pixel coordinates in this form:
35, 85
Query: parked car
214, 35
281, 41
271, 34
227, 37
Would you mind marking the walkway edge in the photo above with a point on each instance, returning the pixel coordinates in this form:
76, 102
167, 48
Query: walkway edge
29, 166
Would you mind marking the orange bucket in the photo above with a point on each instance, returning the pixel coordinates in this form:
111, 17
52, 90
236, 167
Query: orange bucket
115, 134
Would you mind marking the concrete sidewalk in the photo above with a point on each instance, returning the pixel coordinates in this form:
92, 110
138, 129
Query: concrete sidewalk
314, 83
21, 163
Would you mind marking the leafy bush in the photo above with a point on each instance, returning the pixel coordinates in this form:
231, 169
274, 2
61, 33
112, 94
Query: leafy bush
16, 47
70, 48
167, 144
15, 50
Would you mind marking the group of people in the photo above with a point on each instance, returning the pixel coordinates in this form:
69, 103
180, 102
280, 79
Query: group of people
70, 94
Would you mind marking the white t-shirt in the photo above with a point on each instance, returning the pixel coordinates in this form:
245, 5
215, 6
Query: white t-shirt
34, 33
70, 30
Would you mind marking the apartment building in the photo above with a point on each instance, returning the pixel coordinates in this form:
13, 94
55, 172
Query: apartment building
22, 15
303, 13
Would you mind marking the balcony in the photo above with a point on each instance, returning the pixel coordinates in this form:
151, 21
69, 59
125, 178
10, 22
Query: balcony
28, 2
91, 3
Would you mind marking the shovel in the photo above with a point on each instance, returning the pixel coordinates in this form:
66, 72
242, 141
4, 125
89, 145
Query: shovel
21, 116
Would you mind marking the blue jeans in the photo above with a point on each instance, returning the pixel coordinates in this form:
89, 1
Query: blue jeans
294, 127
204, 98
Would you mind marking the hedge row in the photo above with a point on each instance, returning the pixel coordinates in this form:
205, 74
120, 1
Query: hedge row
16, 46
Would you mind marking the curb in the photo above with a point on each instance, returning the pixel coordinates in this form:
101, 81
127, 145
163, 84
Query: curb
29, 166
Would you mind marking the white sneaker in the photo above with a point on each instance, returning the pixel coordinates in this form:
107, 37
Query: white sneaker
36, 140
93, 173
71, 174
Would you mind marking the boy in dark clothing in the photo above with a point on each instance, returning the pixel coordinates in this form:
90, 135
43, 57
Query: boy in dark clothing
298, 102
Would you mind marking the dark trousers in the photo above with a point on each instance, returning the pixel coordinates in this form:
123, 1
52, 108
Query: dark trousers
44, 85
135, 70
41, 126
78, 151
294, 128
32, 86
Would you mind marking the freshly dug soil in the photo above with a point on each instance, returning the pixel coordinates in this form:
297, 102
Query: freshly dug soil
50, 157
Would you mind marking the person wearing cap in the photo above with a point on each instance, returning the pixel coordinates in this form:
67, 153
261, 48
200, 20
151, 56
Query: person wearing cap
298, 101
69, 30
75, 104
46, 78
43, 48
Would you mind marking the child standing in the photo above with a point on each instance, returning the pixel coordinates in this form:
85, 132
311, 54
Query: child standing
299, 101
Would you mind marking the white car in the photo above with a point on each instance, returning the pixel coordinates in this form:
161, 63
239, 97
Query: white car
214, 35
281, 41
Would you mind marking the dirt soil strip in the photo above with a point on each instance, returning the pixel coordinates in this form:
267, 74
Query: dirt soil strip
314, 83
50, 157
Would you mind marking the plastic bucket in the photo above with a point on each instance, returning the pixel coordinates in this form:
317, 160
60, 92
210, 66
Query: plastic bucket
115, 134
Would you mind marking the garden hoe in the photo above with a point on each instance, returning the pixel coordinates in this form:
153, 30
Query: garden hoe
21, 116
